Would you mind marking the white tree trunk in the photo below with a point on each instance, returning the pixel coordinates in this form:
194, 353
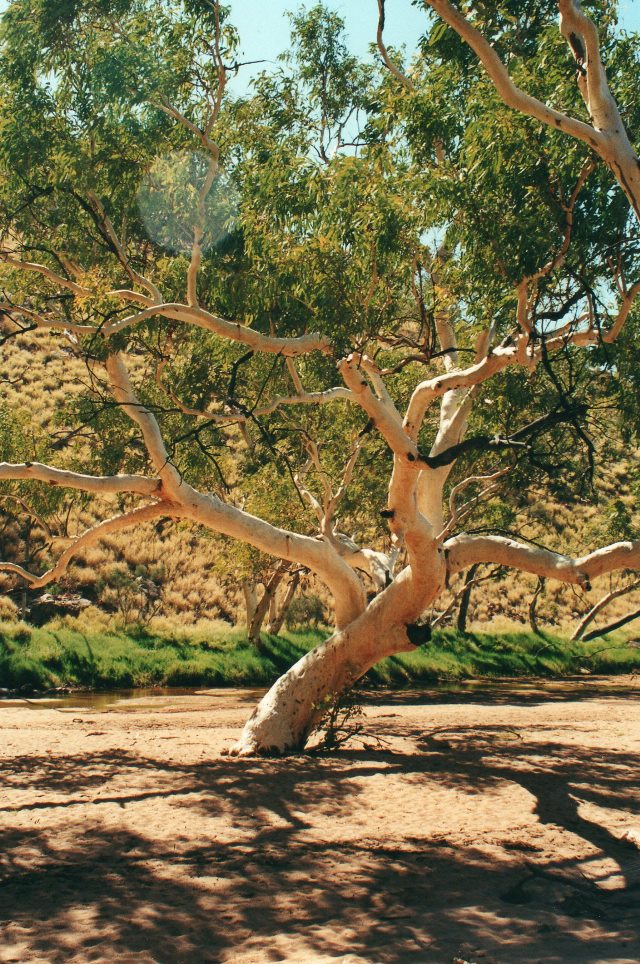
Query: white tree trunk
285, 717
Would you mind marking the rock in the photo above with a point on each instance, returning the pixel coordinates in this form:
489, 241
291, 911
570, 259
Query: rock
47, 606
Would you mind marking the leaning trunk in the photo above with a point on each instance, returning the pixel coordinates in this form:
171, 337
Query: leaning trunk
288, 713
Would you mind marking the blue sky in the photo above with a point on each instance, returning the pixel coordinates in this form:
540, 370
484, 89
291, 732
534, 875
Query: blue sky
264, 27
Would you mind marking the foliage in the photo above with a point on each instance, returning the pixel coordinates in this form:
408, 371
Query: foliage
341, 198
136, 594
341, 719
306, 610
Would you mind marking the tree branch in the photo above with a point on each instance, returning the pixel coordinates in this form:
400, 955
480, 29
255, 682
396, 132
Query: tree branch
520, 350
146, 421
465, 550
582, 36
100, 484
608, 136
209, 510
512, 95
617, 624
88, 538
39, 321
235, 331
600, 605
380, 410
42, 269
457, 513
482, 443
243, 416
103, 218
397, 73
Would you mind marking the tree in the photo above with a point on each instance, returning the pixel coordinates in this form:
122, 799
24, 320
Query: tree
263, 604
378, 277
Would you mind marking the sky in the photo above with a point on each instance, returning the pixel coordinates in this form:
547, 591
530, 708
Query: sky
265, 30
264, 27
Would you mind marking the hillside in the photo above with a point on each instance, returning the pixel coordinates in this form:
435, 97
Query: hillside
191, 572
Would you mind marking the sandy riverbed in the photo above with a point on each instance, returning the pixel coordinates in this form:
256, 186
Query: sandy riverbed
496, 826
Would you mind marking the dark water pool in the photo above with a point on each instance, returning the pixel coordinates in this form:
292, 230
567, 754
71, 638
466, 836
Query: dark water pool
104, 701
518, 691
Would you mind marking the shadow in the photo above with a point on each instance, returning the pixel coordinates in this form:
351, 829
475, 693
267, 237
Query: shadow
559, 780
281, 652
107, 854
512, 692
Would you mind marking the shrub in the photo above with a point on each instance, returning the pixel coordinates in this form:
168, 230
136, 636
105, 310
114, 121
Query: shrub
305, 611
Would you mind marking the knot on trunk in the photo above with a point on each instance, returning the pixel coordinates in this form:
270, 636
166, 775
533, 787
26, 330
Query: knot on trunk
418, 633
584, 582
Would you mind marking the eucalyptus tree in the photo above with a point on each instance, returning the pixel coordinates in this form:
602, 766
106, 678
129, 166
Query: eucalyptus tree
324, 283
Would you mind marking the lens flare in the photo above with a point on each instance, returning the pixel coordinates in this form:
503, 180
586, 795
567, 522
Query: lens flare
169, 198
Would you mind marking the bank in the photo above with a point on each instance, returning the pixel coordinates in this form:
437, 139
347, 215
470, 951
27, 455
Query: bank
56, 656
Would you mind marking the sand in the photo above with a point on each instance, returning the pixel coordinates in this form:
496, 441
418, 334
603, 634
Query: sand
499, 825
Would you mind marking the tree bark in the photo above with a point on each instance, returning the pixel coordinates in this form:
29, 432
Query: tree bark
280, 612
286, 716
466, 598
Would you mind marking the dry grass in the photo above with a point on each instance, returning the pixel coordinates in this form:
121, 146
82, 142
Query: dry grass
38, 375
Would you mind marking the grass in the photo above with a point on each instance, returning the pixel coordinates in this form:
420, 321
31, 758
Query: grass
58, 656
61, 657
197, 583
455, 656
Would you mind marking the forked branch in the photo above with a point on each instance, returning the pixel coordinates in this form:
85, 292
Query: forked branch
510, 93
606, 134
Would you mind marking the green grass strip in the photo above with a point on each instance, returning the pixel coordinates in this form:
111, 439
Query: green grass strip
41, 659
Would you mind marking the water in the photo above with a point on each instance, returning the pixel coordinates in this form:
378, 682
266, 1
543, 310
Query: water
520, 691
106, 701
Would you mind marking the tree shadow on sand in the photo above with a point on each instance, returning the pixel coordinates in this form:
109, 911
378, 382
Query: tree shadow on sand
272, 887
496, 692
